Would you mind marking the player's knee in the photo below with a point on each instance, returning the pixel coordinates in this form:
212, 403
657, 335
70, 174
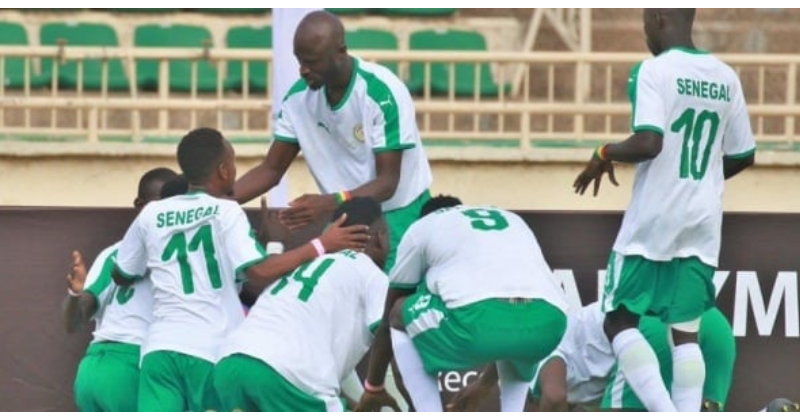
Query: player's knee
396, 314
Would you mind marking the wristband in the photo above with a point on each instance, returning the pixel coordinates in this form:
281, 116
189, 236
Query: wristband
73, 294
373, 389
274, 247
600, 152
342, 196
318, 246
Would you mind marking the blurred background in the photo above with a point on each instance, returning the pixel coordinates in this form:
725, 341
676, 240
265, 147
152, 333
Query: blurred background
510, 102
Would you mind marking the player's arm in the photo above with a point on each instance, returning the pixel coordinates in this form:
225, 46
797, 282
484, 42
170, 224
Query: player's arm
78, 306
268, 173
738, 144
647, 123
335, 238
131, 262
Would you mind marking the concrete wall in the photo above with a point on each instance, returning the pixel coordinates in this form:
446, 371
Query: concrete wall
79, 174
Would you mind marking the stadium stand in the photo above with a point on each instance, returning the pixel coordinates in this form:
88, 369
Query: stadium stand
83, 34
12, 33
180, 70
373, 39
254, 37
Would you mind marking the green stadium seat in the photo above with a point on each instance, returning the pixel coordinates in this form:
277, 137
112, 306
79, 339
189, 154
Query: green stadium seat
343, 12
83, 34
180, 70
416, 12
248, 37
451, 40
14, 34
373, 39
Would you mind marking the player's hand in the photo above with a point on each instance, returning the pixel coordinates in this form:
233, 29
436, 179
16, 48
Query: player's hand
307, 208
594, 173
469, 398
374, 402
263, 235
76, 277
337, 238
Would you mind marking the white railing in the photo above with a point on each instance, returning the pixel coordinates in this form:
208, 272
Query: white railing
563, 96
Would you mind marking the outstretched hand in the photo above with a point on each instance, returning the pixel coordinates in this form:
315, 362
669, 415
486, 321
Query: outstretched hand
336, 237
593, 172
306, 209
374, 402
76, 278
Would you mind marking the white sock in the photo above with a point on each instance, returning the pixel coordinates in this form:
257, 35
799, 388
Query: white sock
688, 376
639, 365
513, 390
421, 386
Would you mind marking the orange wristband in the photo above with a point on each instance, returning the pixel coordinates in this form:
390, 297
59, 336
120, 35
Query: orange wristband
600, 152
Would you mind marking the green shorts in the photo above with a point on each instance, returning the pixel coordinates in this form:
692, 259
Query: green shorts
108, 378
463, 338
719, 353
676, 291
175, 382
245, 383
398, 221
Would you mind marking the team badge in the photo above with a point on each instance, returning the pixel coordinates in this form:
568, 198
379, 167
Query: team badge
358, 132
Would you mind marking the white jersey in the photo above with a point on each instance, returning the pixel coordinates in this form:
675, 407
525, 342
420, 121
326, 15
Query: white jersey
696, 102
194, 246
587, 354
467, 254
339, 144
123, 313
315, 325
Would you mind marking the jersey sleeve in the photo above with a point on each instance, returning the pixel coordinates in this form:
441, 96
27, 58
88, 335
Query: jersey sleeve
375, 297
132, 253
738, 141
98, 280
649, 111
384, 119
284, 129
240, 242
409, 266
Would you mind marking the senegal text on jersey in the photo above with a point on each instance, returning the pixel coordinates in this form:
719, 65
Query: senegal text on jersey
170, 218
704, 89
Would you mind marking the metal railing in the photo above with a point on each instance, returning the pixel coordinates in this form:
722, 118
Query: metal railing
563, 96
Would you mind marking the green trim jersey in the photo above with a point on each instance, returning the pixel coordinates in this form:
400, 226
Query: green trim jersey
339, 143
123, 313
315, 324
466, 254
193, 246
696, 102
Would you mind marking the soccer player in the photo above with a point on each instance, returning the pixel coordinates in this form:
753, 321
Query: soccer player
484, 293
107, 379
356, 125
307, 332
581, 370
691, 132
196, 248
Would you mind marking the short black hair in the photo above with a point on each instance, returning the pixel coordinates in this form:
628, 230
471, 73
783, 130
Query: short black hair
360, 211
152, 178
438, 202
199, 152
175, 186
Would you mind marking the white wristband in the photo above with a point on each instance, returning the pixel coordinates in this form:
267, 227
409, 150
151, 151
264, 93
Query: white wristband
318, 246
274, 247
73, 294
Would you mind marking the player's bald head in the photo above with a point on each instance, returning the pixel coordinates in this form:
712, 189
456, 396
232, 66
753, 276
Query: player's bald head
665, 28
320, 28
